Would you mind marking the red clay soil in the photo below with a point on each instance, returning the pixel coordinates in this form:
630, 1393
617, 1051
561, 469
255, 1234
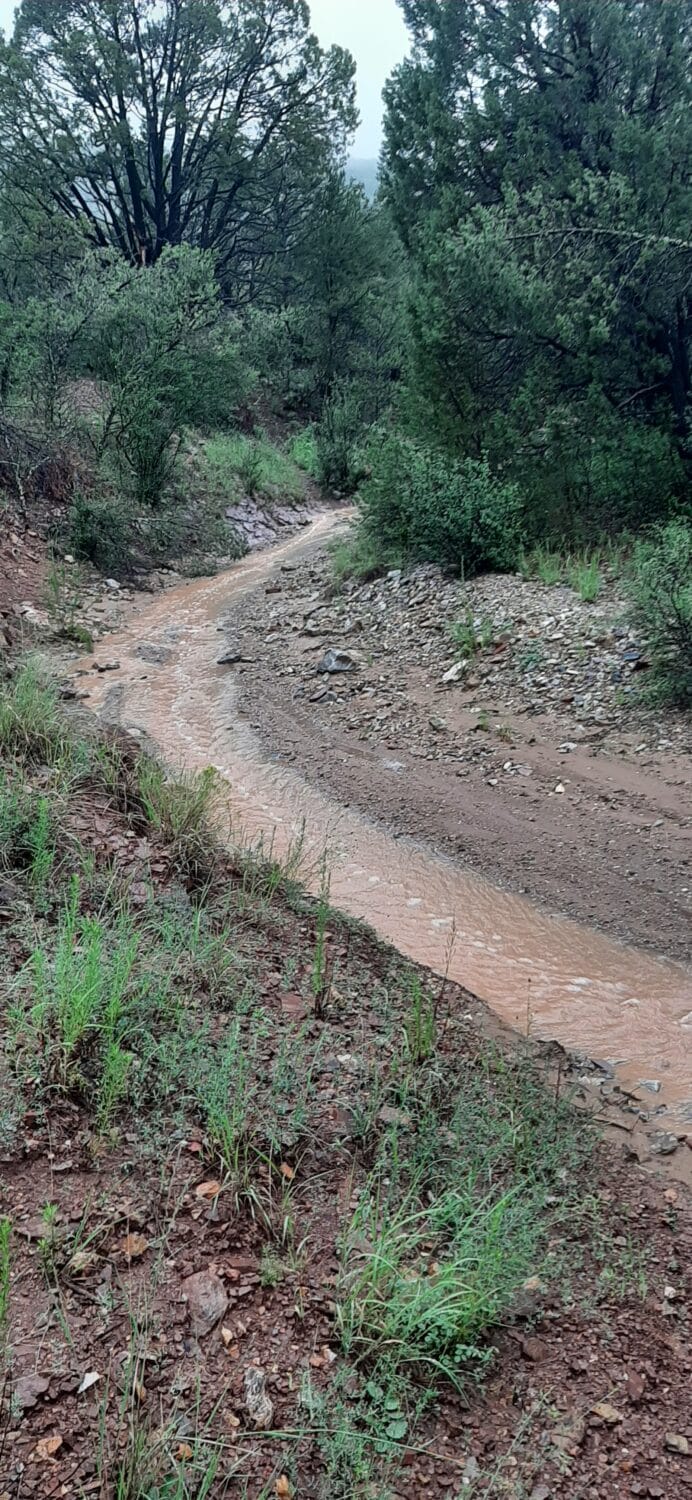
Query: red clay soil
587, 1395
23, 570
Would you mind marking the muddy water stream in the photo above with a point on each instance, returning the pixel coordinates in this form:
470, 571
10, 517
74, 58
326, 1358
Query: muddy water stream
571, 983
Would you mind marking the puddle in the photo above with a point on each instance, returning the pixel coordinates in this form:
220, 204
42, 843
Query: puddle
562, 980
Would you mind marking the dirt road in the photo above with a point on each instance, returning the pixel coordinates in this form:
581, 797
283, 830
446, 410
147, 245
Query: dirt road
591, 823
562, 979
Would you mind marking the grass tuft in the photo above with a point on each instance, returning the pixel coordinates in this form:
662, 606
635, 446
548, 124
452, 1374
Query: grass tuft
33, 726
359, 556
425, 1283
240, 466
67, 1031
584, 576
5, 1267
179, 808
304, 452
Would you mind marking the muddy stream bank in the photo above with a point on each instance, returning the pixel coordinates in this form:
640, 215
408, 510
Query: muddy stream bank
566, 981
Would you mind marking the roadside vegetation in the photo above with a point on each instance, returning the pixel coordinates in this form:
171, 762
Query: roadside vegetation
497, 364
148, 978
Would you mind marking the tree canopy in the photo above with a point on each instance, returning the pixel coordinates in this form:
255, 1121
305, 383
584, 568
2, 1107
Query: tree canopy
159, 122
538, 162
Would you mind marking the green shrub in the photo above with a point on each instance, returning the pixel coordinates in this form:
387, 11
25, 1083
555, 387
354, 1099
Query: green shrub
304, 451
661, 592
189, 533
166, 358
421, 506
101, 531
339, 440
358, 555
593, 474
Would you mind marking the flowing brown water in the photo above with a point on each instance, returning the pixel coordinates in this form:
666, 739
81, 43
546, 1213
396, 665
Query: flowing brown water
590, 993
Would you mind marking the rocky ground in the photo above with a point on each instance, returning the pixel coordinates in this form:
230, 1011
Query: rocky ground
503, 721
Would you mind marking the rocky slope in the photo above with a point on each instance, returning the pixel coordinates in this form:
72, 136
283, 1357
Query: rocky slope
532, 755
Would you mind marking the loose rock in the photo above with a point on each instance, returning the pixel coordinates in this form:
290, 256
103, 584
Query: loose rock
27, 1390
336, 661
207, 1301
676, 1443
258, 1405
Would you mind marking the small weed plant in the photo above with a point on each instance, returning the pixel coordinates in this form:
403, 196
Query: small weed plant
63, 591
224, 1094
5, 1269
27, 833
320, 964
472, 635
419, 1026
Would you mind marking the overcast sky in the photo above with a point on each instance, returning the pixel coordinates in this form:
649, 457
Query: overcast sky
373, 30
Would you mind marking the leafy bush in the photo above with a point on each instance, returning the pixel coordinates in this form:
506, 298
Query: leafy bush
661, 591
591, 474
189, 532
339, 438
304, 451
167, 357
100, 530
420, 506
106, 531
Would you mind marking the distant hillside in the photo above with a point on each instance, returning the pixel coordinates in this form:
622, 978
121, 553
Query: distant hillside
364, 169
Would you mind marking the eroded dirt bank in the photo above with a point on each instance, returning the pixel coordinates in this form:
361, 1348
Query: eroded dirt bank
153, 1271
555, 977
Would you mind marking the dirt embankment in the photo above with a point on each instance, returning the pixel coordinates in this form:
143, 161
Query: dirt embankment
534, 761
151, 1290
